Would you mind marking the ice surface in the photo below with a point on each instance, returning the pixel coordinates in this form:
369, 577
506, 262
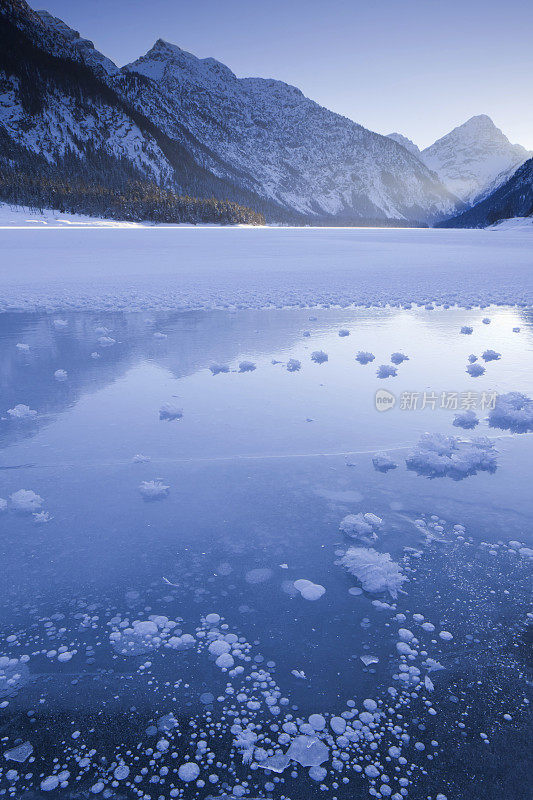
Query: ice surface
186, 268
438, 455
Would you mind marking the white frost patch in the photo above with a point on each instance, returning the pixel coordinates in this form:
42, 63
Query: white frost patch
21, 411
26, 500
399, 358
361, 526
153, 490
383, 463
247, 366
491, 355
512, 411
475, 370
364, 357
309, 590
377, 572
437, 455
170, 411
293, 365
216, 369
466, 420
319, 357
386, 371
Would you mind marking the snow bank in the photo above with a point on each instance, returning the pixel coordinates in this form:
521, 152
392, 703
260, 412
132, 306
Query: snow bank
377, 572
437, 455
513, 412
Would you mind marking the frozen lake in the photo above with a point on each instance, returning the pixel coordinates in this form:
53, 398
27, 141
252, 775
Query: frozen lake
169, 268
188, 467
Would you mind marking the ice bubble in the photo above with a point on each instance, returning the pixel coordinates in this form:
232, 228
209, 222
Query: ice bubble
50, 783
386, 371
159, 335
216, 369
225, 661
317, 722
383, 463
467, 329
338, 725
189, 771
308, 751
377, 572
364, 357
406, 635
153, 490
491, 355
293, 365
399, 358
60, 375
475, 370
247, 366
22, 347
446, 636
170, 411
26, 501
218, 647
370, 705
121, 772
106, 341
437, 455
60, 323
371, 771
317, 773
309, 590
212, 619
344, 332
512, 411
466, 420
319, 356
21, 411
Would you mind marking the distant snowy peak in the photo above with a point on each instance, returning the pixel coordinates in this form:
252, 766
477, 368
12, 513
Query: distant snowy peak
405, 142
474, 158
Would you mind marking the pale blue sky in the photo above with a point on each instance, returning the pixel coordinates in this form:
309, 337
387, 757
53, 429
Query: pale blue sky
419, 67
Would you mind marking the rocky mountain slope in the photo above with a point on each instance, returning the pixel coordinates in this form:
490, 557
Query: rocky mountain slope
513, 199
190, 125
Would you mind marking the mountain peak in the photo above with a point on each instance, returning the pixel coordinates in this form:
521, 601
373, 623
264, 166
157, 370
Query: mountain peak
409, 145
164, 53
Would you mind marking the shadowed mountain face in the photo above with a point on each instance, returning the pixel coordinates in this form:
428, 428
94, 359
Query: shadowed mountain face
189, 124
513, 199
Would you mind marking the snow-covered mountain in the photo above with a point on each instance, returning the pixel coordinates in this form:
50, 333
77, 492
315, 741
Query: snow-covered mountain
192, 125
405, 142
474, 159
513, 199
278, 143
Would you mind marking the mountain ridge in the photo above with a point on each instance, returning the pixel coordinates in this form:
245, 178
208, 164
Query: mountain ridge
190, 124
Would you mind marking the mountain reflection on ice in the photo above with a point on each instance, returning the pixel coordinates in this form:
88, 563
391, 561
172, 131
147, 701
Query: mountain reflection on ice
218, 642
